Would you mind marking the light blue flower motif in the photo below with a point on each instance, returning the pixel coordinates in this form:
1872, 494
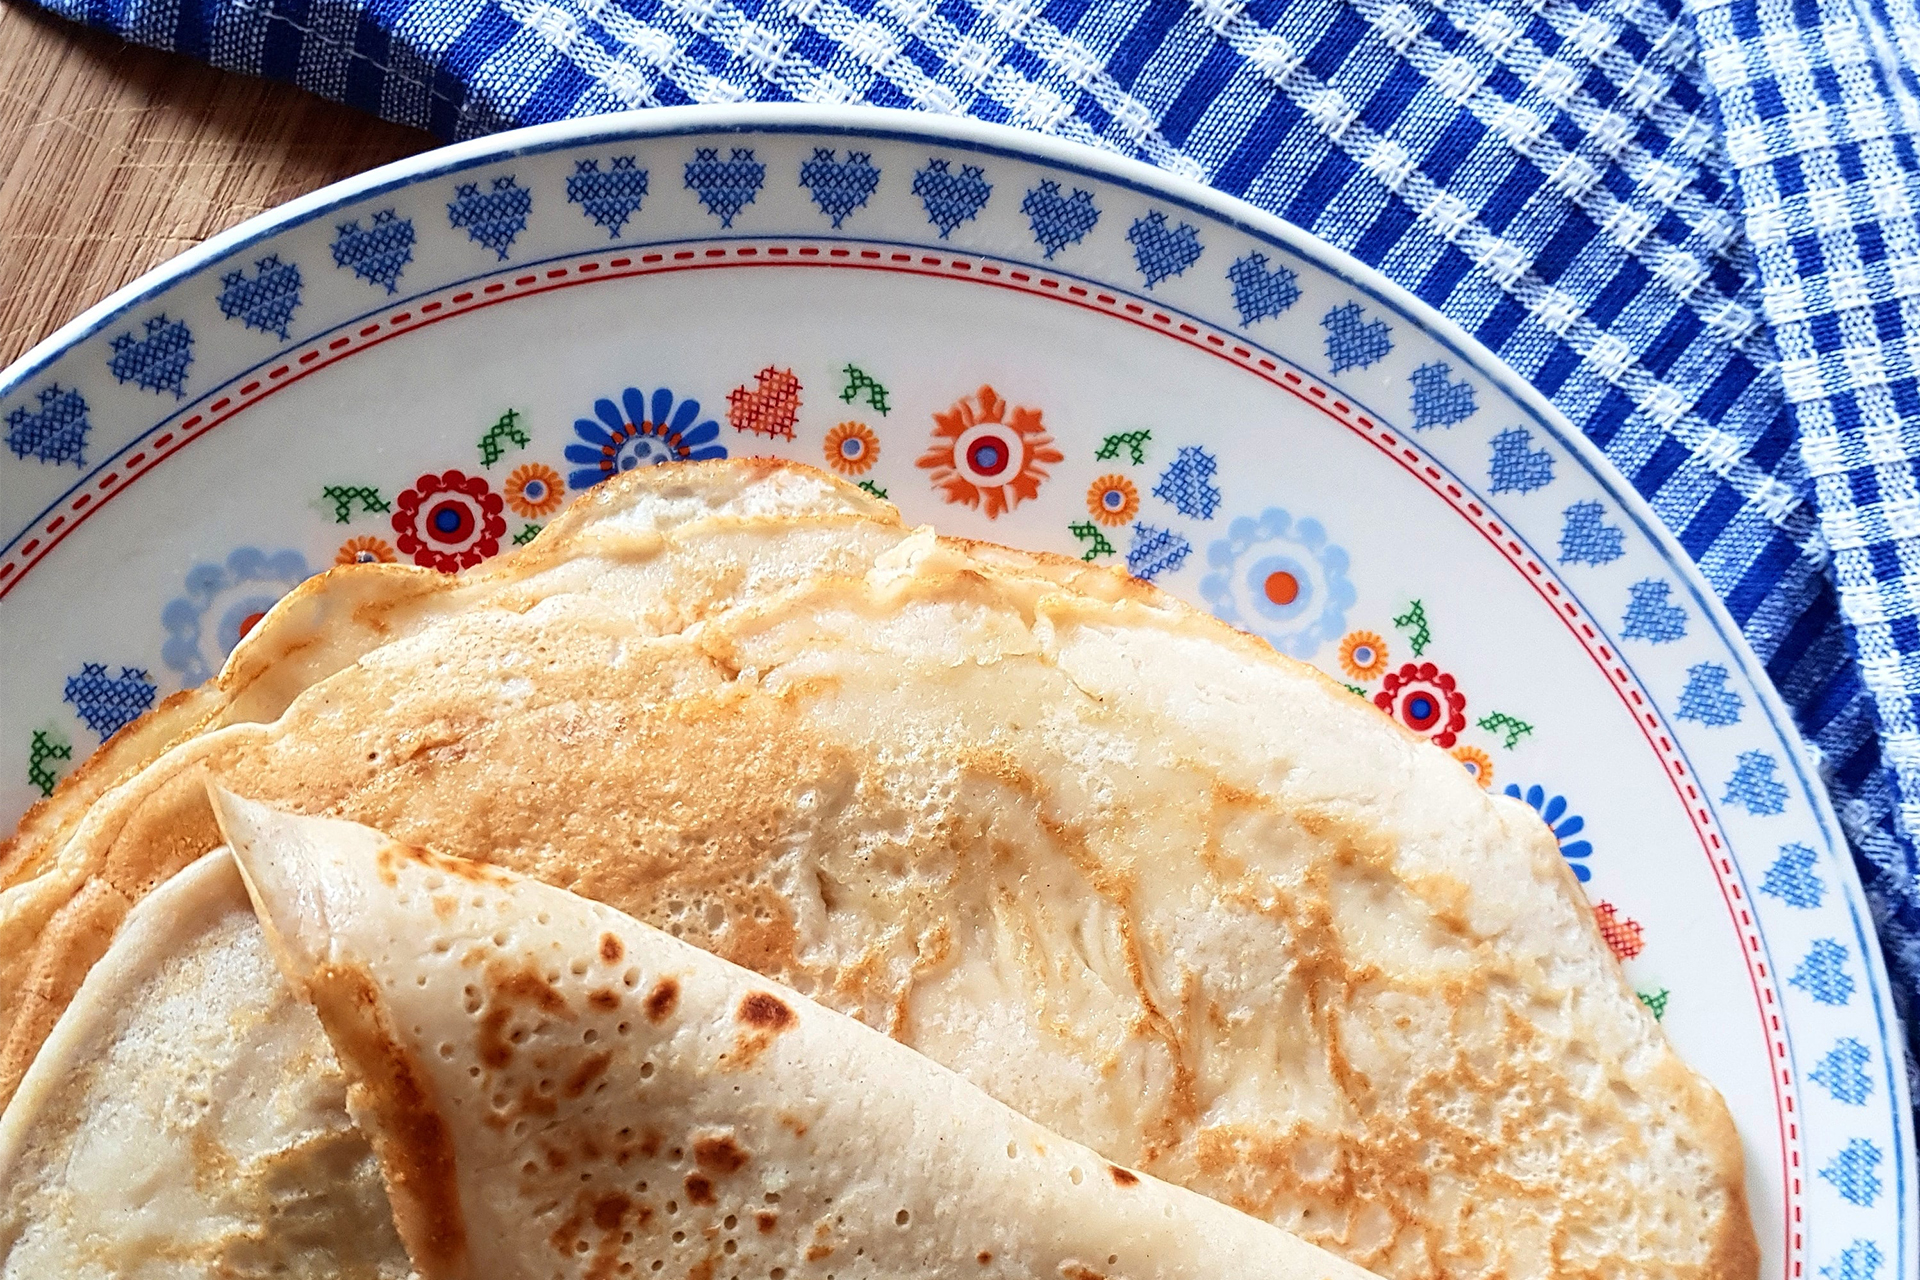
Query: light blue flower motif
221, 604
1564, 825
644, 435
1280, 579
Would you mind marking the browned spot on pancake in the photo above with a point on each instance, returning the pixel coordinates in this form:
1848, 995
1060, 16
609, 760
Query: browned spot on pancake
213, 1164
719, 1154
530, 987
699, 1188
703, 1270
766, 1011
535, 1103
509, 991
444, 905
611, 948
1123, 1177
409, 1134
606, 1000
611, 1211
395, 852
983, 1257
1079, 1271
567, 1235
590, 1069
649, 1144
496, 1051
793, 1124
556, 1158
767, 1220
815, 1252
661, 1000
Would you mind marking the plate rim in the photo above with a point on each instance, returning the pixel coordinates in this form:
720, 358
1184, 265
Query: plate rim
1140, 176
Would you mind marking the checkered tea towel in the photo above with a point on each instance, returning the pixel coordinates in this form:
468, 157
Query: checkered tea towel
1694, 224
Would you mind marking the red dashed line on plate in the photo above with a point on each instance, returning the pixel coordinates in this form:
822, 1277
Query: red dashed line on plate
340, 346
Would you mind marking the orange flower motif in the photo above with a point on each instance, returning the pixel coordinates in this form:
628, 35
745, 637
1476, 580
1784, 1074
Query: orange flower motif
534, 490
1363, 655
1477, 763
852, 448
1113, 500
984, 454
364, 551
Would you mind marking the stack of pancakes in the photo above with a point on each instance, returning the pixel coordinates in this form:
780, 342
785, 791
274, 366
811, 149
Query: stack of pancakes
1177, 899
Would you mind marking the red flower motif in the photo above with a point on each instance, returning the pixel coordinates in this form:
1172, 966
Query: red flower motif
1424, 698
981, 452
449, 522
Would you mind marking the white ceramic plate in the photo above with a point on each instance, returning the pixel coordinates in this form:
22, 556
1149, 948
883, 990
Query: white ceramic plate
1014, 339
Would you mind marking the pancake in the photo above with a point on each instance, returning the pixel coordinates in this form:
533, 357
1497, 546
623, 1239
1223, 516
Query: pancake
1127, 870
55, 923
187, 1119
558, 1090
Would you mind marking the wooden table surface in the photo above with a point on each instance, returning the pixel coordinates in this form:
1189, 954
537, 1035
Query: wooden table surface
113, 158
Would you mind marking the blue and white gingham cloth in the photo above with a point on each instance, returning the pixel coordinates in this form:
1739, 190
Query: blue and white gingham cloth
1694, 224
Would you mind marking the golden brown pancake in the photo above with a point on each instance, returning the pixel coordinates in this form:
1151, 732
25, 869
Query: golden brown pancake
1126, 869
556, 1089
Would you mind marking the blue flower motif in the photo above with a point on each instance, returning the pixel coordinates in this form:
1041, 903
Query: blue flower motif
644, 435
1281, 580
221, 604
1553, 811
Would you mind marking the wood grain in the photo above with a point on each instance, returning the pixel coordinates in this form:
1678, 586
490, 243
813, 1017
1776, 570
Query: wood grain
113, 158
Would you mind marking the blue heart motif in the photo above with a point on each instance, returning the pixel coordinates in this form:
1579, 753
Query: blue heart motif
1823, 973
1516, 467
492, 218
951, 198
264, 301
1259, 292
1586, 537
839, 186
1058, 220
1650, 616
1841, 1071
107, 702
1354, 342
377, 253
1855, 1172
1706, 698
609, 197
725, 187
1187, 484
1155, 551
158, 359
1160, 252
1791, 877
1437, 402
56, 432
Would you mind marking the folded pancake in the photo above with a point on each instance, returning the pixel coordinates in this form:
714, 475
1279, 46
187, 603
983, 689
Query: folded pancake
1125, 869
56, 918
187, 1118
555, 1089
